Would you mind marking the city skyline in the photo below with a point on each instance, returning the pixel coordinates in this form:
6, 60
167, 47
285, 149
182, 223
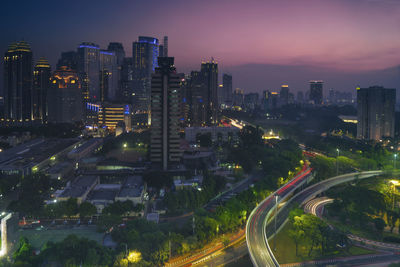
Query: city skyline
274, 38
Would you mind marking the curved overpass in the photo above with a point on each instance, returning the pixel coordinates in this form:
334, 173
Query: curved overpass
257, 233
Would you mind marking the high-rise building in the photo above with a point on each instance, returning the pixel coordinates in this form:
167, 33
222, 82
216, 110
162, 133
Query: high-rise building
165, 44
144, 61
165, 109
196, 98
238, 97
68, 59
89, 71
209, 73
65, 97
375, 113
41, 84
316, 89
250, 101
18, 82
332, 96
164, 47
227, 89
109, 76
300, 97
284, 95
118, 50
125, 94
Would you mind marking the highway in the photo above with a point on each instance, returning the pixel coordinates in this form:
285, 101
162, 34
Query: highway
260, 252
315, 207
257, 230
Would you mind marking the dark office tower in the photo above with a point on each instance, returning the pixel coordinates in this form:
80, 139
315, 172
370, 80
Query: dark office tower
331, 96
284, 95
316, 92
65, 97
68, 59
227, 85
125, 94
250, 101
238, 97
144, 61
300, 97
89, 71
196, 96
109, 76
165, 110
18, 82
41, 84
209, 72
165, 45
375, 113
118, 50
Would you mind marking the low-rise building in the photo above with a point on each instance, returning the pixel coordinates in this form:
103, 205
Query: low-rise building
103, 195
60, 170
79, 188
84, 149
133, 189
199, 159
34, 155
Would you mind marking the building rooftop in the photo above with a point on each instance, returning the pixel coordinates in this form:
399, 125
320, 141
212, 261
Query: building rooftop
86, 145
80, 186
103, 195
132, 187
34, 151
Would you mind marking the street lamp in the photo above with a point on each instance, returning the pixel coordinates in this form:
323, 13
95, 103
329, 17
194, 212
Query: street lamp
276, 215
394, 161
337, 161
394, 183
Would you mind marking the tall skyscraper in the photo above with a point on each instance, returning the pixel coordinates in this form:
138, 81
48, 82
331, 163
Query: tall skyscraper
125, 94
41, 84
209, 72
118, 50
300, 97
65, 97
144, 61
165, 110
196, 97
375, 113
316, 89
238, 97
109, 76
165, 45
284, 95
89, 71
18, 82
227, 89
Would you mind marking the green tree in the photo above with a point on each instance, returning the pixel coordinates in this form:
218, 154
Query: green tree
87, 209
71, 207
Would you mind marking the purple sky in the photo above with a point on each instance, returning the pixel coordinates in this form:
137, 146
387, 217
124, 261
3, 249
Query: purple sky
262, 43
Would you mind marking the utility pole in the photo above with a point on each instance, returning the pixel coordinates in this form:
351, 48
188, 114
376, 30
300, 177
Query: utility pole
276, 215
193, 224
169, 244
337, 162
